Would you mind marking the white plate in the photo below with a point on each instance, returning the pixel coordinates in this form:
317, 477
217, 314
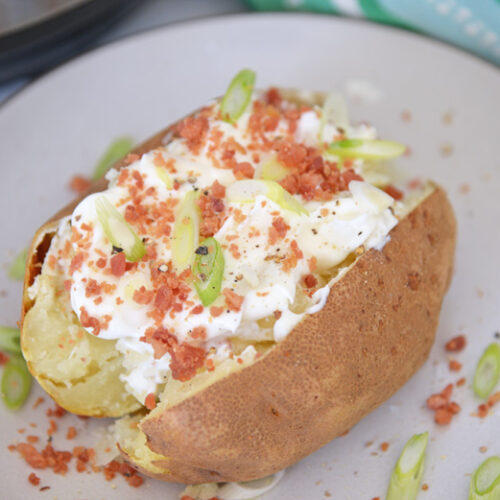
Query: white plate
59, 125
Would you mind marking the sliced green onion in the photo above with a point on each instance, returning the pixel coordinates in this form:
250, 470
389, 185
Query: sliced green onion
485, 482
334, 111
246, 191
237, 95
186, 232
16, 383
164, 177
118, 230
273, 170
409, 469
369, 149
117, 149
487, 371
10, 339
18, 267
208, 270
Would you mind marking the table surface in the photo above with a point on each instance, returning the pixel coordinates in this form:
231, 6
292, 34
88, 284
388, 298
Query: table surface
150, 14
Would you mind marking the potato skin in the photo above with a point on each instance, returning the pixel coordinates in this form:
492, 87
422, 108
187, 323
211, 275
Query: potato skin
335, 367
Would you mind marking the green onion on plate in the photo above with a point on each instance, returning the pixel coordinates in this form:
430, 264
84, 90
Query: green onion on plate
118, 230
237, 95
409, 469
10, 339
368, 149
487, 371
16, 383
208, 270
18, 266
116, 150
485, 482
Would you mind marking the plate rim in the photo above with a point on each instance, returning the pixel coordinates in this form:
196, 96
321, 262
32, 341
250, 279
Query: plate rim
366, 23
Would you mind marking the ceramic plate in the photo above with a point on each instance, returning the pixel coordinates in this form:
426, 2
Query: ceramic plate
441, 102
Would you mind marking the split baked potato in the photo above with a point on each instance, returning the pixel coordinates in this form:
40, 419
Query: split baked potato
257, 411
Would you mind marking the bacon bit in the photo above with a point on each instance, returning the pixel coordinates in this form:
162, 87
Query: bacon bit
273, 97
218, 190
118, 264
243, 170
444, 409
233, 300
234, 249
443, 416
38, 402
291, 154
482, 411
425, 487
239, 360
394, 192
143, 296
3, 358
32, 456
101, 263
310, 281
71, 433
483, 449
139, 182
131, 158
52, 261
193, 129
79, 184
34, 479
186, 359
493, 399
88, 321
150, 401
57, 412
277, 314
76, 262
197, 309
199, 332
456, 344
67, 285
163, 298
52, 429
455, 366
384, 446
312, 263
92, 288
291, 259
32, 439
278, 230
460, 382
216, 311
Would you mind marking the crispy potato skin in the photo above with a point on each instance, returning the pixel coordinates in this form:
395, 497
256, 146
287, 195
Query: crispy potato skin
335, 367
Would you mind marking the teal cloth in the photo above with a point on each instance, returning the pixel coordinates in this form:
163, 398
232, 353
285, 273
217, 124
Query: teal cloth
473, 25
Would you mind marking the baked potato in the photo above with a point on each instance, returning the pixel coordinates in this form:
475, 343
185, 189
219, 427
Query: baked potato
247, 383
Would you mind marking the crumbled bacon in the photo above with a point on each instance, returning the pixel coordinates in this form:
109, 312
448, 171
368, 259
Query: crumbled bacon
394, 192
163, 298
92, 288
118, 264
88, 321
193, 129
76, 262
199, 332
79, 184
150, 401
233, 300
443, 407
143, 296
456, 344
185, 358
34, 479
277, 230
212, 209
243, 170
310, 281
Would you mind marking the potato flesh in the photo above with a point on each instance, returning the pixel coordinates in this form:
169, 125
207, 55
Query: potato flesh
83, 373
